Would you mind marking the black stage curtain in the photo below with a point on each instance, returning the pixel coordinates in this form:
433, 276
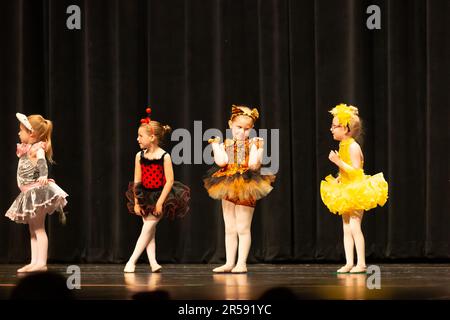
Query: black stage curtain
190, 60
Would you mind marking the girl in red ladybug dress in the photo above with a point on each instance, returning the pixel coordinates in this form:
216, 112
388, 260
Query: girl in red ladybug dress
154, 193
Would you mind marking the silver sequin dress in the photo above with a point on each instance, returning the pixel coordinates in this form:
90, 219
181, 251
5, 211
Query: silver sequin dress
34, 198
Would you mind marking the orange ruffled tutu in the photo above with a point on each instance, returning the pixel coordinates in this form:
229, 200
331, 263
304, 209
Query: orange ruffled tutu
239, 185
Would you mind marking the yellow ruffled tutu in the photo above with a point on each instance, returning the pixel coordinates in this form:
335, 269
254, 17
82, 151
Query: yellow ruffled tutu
353, 190
364, 193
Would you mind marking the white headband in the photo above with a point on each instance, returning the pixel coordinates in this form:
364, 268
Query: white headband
24, 120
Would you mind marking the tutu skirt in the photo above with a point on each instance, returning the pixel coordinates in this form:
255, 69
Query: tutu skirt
362, 193
42, 199
240, 188
176, 204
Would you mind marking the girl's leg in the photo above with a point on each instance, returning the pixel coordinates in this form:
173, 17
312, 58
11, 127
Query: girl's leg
38, 224
149, 224
348, 244
244, 215
355, 225
34, 248
151, 251
229, 219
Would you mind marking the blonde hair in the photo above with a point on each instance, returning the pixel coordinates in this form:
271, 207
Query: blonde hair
355, 126
154, 127
42, 129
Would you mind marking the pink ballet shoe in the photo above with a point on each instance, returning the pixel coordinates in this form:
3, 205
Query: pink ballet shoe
359, 269
345, 269
156, 268
38, 268
25, 268
223, 269
239, 269
129, 268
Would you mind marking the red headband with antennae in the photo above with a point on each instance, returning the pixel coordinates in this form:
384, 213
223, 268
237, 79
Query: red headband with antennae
147, 119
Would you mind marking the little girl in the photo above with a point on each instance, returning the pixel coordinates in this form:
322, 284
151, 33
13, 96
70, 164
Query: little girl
239, 184
154, 193
39, 195
352, 191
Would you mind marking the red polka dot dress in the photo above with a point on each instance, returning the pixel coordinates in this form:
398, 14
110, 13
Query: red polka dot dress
148, 191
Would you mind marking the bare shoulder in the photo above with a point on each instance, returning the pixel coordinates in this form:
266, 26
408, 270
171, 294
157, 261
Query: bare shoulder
355, 148
163, 153
138, 155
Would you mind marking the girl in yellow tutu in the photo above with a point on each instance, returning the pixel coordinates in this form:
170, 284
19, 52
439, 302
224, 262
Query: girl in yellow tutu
236, 181
352, 191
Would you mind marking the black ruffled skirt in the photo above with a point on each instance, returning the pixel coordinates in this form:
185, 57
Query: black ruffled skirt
176, 204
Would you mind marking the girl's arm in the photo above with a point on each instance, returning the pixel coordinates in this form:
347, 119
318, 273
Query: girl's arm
220, 155
137, 168
355, 158
41, 164
256, 154
137, 179
168, 173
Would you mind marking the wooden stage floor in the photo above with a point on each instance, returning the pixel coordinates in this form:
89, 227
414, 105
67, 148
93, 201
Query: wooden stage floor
305, 281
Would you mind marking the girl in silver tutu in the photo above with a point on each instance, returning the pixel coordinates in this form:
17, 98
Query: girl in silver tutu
39, 195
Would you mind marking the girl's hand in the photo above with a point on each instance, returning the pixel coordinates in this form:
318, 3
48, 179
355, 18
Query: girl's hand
43, 181
214, 140
158, 209
334, 157
138, 210
258, 142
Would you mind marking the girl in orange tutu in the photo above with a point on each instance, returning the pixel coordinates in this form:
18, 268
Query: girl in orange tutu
352, 192
236, 181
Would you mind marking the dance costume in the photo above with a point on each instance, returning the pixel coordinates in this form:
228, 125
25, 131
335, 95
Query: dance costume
355, 190
148, 191
34, 198
236, 182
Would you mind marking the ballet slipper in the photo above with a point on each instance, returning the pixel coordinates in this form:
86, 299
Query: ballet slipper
345, 269
25, 268
38, 268
156, 268
359, 269
129, 268
239, 269
223, 269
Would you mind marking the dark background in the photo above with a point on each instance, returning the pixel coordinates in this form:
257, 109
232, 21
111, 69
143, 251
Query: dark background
190, 60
